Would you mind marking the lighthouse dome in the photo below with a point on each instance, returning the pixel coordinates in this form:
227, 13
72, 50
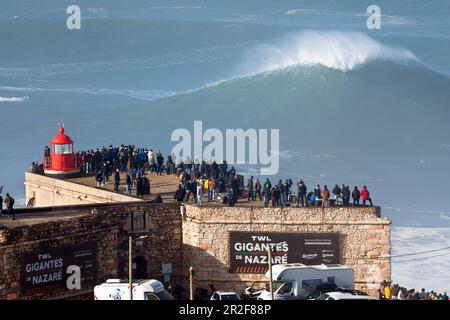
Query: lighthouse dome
61, 138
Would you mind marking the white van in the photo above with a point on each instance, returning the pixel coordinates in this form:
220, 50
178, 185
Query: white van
344, 296
116, 289
297, 281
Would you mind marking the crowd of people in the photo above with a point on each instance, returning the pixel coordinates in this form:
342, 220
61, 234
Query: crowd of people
196, 178
393, 291
200, 178
282, 194
133, 161
206, 178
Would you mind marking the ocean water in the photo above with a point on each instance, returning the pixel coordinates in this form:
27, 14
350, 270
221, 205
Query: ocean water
354, 106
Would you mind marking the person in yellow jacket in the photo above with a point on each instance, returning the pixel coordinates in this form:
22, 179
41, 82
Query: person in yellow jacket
387, 292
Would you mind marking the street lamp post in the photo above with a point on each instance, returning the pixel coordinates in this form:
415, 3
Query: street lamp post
269, 253
130, 271
191, 284
130, 263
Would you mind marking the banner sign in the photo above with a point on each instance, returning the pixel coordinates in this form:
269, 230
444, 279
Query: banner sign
248, 250
61, 269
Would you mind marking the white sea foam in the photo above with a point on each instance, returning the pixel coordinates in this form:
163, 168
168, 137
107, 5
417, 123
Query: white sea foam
289, 154
392, 20
340, 50
173, 59
148, 95
14, 99
426, 270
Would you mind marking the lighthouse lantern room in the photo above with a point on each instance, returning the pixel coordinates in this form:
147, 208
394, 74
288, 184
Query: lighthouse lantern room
61, 161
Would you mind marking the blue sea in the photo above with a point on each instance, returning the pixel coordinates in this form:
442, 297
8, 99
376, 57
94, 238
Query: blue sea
353, 105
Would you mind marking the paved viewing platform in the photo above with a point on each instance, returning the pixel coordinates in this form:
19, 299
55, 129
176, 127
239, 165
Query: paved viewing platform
86, 186
164, 185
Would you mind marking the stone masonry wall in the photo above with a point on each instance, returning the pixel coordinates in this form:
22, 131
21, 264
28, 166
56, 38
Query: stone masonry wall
109, 227
193, 236
74, 232
162, 224
365, 240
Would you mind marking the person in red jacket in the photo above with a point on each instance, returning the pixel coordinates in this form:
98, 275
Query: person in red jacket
365, 196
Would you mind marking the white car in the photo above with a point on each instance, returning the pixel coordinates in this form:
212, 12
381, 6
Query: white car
116, 289
224, 295
344, 296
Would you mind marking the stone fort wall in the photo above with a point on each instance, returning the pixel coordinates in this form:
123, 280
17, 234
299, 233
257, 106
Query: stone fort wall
108, 228
365, 240
184, 236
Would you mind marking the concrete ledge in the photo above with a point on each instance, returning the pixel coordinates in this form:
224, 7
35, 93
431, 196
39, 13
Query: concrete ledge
49, 191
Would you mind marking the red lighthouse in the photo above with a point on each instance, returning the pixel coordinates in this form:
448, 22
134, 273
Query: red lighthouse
62, 161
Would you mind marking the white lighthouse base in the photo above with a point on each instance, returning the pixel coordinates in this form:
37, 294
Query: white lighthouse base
62, 174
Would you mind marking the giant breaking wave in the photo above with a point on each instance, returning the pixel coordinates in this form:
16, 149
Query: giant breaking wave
340, 50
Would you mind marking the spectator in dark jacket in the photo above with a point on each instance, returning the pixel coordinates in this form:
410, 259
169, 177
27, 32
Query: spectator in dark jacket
116, 180
258, 189
250, 189
301, 193
159, 163
9, 203
128, 184
276, 194
158, 199
356, 195
179, 194
268, 184
266, 194
146, 186
282, 197
139, 186
347, 196
336, 193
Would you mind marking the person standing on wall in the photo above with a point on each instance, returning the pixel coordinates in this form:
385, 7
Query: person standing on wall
128, 184
365, 196
266, 193
250, 189
282, 198
258, 189
159, 163
325, 196
317, 196
301, 193
9, 203
211, 187
179, 194
268, 184
116, 180
356, 196
199, 191
336, 193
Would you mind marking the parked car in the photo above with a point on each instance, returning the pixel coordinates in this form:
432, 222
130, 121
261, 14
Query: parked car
339, 295
224, 295
116, 289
